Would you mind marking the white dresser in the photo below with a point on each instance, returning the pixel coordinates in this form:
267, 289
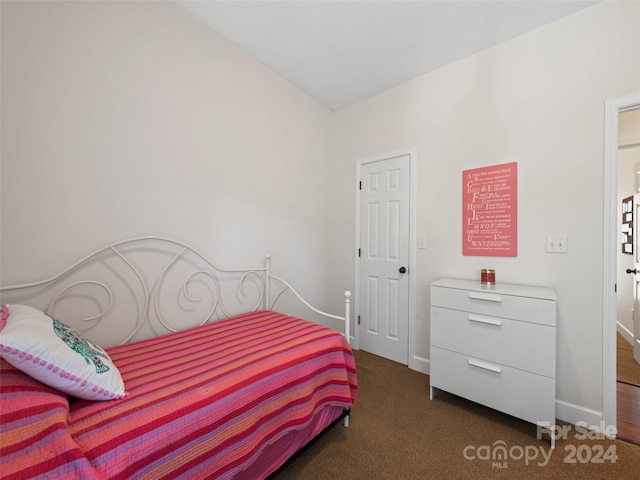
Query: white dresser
496, 345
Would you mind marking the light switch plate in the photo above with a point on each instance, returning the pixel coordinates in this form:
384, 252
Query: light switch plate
557, 243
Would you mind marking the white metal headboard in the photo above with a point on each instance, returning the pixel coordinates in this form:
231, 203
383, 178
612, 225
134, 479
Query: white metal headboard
145, 268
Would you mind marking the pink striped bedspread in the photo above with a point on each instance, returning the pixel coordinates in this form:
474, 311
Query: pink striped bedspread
202, 403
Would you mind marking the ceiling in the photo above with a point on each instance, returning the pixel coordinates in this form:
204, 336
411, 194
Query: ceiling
341, 52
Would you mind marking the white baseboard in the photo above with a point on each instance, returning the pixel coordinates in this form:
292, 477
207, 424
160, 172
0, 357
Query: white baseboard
587, 417
420, 364
625, 332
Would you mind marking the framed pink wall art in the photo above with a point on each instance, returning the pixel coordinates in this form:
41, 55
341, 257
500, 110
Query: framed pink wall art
490, 211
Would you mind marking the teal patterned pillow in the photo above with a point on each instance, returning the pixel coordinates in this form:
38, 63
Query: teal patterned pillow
57, 355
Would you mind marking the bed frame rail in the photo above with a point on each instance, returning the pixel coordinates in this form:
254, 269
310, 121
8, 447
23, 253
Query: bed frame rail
271, 304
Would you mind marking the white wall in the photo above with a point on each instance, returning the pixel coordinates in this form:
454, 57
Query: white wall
537, 100
132, 118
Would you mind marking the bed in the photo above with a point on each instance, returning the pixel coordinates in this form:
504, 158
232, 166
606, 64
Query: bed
209, 380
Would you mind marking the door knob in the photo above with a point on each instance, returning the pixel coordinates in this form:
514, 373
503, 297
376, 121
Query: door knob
631, 271
402, 270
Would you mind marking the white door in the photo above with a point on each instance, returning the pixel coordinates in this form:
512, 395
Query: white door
384, 257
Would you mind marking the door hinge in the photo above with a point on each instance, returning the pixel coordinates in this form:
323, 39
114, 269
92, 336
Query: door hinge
359, 252
360, 184
358, 319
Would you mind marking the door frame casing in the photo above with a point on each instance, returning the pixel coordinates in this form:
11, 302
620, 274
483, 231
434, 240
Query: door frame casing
412, 153
612, 111
636, 265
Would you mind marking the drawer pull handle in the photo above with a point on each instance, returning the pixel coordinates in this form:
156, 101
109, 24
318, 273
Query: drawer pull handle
487, 320
484, 365
485, 296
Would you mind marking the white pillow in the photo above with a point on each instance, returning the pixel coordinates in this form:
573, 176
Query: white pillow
57, 355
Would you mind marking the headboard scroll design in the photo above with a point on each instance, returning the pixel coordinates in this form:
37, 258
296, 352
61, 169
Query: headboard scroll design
149, 271
143, 286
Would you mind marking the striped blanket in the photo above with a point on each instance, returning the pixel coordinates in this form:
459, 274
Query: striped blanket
203, 403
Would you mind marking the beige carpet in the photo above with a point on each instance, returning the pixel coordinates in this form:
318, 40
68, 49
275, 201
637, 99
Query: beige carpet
397, 433
628, 370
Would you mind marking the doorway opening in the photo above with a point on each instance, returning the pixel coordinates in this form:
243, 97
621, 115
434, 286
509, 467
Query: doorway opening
613, 109
628, 278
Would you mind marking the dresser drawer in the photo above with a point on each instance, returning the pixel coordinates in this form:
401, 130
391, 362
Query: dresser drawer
492, 301
523, 345
515, 392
